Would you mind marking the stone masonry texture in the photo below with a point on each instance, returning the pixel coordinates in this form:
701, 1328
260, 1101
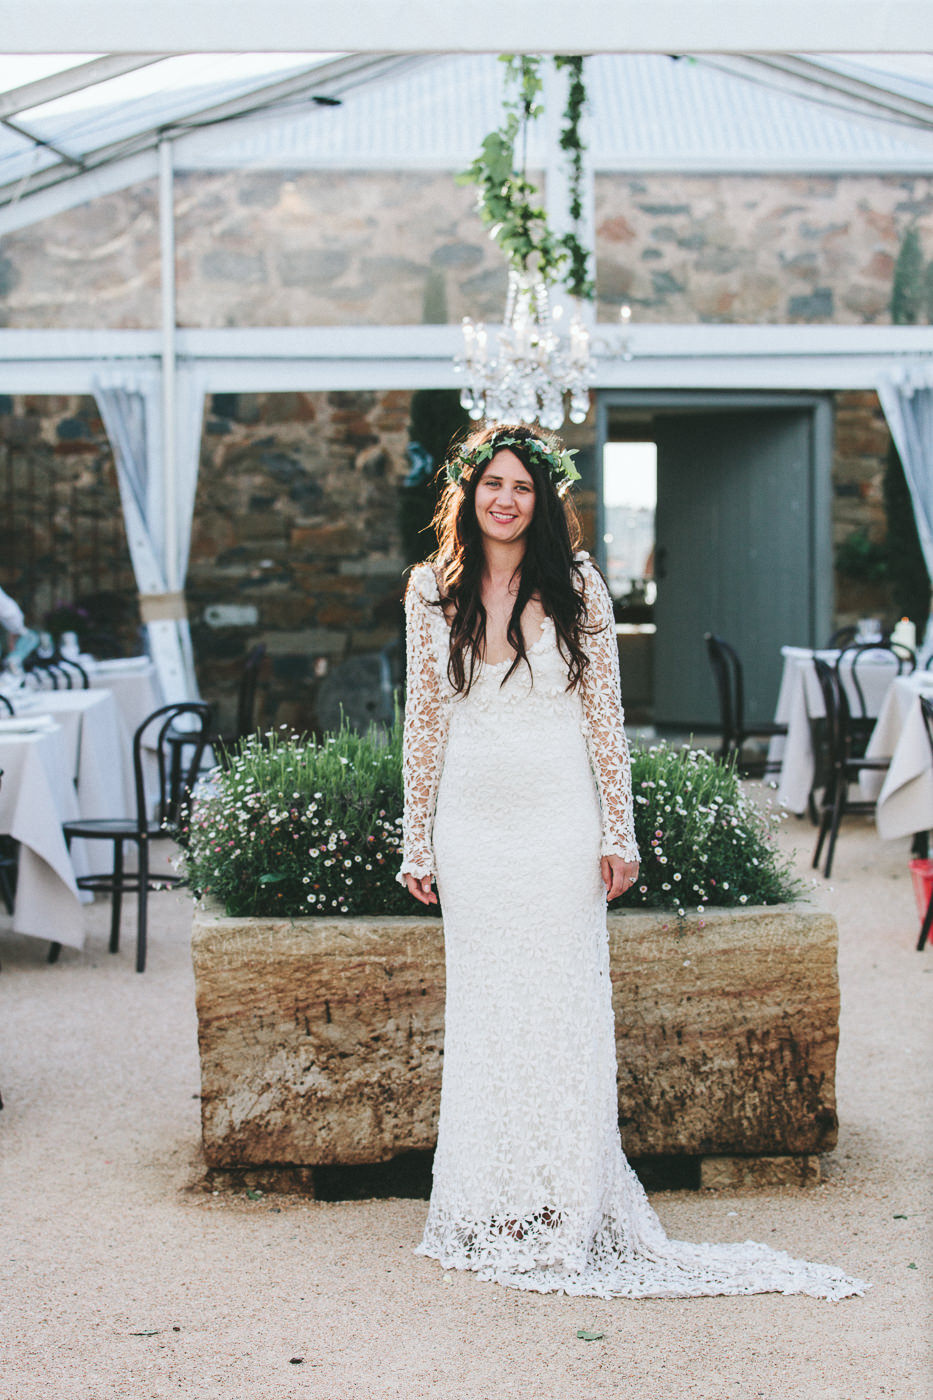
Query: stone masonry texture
62, 539
279, 248
755, 249
296, 518
322, 1041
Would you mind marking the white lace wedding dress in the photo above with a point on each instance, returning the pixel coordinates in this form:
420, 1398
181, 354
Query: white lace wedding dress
531, 1187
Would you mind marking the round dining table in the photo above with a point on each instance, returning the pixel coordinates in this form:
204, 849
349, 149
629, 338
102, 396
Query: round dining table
904, 794
37, 794
800, 702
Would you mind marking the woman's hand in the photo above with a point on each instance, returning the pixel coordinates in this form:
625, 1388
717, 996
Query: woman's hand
421, 889
618, 875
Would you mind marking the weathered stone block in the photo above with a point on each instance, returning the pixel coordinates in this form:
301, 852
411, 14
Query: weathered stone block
322, 1041
727, 1173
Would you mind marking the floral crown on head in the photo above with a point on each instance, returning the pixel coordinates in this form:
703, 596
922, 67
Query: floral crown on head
559, 465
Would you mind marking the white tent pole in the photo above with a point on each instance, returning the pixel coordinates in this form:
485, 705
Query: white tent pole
167, 255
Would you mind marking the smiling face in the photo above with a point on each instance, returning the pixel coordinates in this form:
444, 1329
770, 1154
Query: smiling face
505, 499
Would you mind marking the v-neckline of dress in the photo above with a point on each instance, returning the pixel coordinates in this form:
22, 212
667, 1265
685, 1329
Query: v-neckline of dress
547, 628
544, 639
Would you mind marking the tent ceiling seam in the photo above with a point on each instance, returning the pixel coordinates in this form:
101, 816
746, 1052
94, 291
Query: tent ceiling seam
28, 135
71, 80
322, 79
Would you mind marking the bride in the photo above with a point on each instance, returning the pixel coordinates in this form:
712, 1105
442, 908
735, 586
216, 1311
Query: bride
518, 805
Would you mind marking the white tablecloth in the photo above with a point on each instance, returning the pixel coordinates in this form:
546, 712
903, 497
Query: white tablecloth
99, 750
905, 801
134, 685
800, 701
37, 794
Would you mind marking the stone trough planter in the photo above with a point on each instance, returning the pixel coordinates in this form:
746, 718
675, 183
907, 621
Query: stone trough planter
321, 1040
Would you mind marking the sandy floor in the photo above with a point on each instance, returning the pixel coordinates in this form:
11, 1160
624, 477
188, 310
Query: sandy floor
120, 1278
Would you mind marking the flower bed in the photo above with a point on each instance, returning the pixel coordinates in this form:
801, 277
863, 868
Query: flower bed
301, 826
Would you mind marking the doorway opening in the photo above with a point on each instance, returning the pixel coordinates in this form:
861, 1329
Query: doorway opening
629, 508
714, 517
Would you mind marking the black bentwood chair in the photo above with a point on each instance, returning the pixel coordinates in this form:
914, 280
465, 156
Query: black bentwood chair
845, 765
46, 672
74, 672
851, 666
730, 687
143, 829
223, 743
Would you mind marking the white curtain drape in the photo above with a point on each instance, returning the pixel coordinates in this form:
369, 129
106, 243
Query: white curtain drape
130, 406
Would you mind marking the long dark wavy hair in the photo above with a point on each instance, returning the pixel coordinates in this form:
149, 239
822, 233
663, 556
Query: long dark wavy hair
548, 567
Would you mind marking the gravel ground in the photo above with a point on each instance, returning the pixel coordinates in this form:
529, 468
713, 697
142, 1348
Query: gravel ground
123, 1277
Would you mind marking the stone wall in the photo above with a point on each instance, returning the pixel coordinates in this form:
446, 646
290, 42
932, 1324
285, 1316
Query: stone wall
62, 539
296, 538
86, 268
755, 249
261, 249
296, 521
861, 444
279, 248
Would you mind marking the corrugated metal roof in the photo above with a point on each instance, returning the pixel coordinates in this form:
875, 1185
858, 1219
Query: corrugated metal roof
648, 112
434, 113
651, 112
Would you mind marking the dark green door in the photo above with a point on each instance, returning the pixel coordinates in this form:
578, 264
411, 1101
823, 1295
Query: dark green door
734, 554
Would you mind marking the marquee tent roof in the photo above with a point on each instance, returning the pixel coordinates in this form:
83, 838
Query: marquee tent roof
93, 122
73, 128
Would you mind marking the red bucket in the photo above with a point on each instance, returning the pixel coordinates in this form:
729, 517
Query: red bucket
921, 872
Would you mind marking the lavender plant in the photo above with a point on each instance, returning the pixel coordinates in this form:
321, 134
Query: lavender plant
303, 826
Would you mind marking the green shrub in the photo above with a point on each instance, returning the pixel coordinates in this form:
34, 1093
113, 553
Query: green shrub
299, 826
702, 841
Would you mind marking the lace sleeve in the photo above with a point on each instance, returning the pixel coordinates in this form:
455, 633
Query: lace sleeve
426, 726
604, 721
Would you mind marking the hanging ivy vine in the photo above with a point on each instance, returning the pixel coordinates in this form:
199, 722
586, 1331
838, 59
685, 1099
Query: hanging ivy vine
576, 278
509, 203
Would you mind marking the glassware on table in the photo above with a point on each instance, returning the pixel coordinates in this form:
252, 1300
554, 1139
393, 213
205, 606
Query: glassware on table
867, 630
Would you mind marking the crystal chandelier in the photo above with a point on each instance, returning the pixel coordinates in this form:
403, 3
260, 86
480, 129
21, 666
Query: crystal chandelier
526, 376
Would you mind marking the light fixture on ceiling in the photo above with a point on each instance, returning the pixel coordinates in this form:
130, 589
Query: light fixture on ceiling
530, 369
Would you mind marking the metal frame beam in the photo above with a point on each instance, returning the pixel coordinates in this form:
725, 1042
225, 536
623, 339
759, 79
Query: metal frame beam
82, 75
785, 358
326, 79
801, 77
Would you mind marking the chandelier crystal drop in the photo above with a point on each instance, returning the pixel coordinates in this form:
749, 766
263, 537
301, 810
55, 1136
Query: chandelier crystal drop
532, 368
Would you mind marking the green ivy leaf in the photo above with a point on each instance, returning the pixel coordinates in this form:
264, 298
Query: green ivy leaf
594, 1336
508, 202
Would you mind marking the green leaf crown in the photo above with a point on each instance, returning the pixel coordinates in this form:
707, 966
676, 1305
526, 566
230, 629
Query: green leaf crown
558, 464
